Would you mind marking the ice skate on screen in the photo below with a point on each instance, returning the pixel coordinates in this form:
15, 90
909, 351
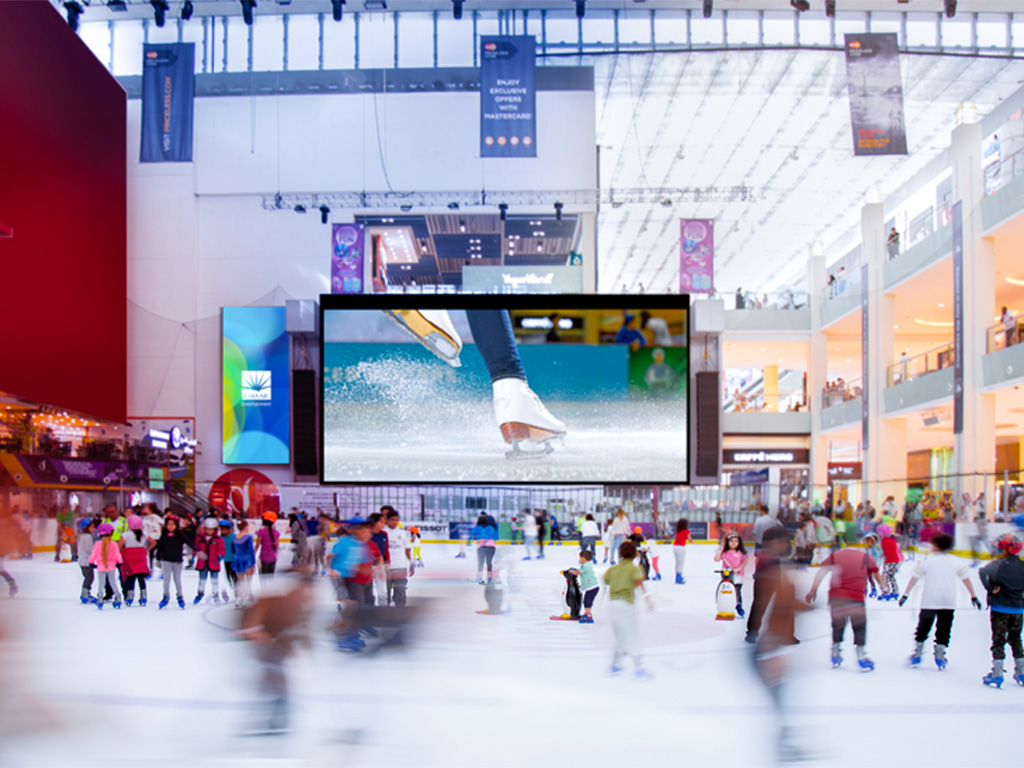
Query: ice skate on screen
504, 389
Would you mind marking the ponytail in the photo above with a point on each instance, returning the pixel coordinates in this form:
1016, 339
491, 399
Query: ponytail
138, 535
104, 546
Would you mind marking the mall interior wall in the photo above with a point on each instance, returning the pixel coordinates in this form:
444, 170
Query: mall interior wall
199, 238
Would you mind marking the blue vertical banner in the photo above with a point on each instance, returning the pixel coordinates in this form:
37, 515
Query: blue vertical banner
168, 92
508, 96
865, 359
958, 318
256, 384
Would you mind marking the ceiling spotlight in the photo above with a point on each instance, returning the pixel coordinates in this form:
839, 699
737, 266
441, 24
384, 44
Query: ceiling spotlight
405, 208
453, 206
336, 9
74, 10
666, 203
708, 8
502, 210
300, 208
558, 211
800, 5
247, 6
581, 8
324, 213
457, 9
160, 9
186, 10
117, 5
949, 4
830, 8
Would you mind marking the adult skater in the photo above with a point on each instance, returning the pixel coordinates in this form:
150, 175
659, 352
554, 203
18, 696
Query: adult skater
300, 544
521, 416
589, 534
768, 576
529, 532
540, 533
1003, 579
618, 530
484, 534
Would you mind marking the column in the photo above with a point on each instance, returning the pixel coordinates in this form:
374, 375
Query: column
974, 451
817, 372
771, 388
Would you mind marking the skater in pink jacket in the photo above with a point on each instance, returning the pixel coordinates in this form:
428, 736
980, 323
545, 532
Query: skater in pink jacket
106, 556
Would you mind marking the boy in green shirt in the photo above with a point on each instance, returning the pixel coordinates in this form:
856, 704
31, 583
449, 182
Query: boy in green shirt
623, 580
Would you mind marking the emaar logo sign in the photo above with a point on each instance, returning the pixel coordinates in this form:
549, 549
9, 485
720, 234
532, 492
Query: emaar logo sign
256, 385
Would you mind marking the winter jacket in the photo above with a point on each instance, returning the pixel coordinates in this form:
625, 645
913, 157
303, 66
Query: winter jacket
134, 554
298, 532
170, 549
209, 552
1007, 573
111, 561
85, 543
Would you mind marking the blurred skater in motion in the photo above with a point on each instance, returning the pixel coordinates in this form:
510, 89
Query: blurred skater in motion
733, 555
274, 625
106, 556
772, 653
940, 573
768, 576
1003, 579
380, 571
623, 580
484, 535
529, 533
851, 569
679, 543
244, 564
541, 524
170, 552
521, 416
8, 547
86, 529
227, 534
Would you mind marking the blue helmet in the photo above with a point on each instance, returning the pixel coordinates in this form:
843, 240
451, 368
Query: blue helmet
84, 523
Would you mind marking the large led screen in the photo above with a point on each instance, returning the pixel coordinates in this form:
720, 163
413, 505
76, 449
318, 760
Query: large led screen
499, 388
255, 386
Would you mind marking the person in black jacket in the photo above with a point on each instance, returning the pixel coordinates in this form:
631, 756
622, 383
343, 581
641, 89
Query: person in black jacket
1003, 579
170, 550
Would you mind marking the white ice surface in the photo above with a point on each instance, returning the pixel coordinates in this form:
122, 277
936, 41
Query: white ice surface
82, 687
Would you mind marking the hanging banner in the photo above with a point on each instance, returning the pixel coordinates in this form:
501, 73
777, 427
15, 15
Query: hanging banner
508, 96
958, 318
697, 256
865, 358
256, 386
168, 91
348, 246
876, 94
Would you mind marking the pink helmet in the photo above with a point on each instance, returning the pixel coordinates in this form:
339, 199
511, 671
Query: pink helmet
884, 531
105, 529
134, 523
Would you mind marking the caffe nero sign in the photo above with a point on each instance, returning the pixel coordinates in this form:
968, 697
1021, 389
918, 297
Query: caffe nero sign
766, 456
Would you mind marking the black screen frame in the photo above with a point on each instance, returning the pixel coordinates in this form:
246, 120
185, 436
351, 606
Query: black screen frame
532, 301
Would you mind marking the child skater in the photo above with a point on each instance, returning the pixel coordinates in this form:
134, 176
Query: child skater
86, 528
170, 551
244, 563
679, 547
106, 556
623, 580
1004, 581
652, 555
135, 569
892, 556
940, 573
209, 552
588, 585
227, 534
415, 539
733, 555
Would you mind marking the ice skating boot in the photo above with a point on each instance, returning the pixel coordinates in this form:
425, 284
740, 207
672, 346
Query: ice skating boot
657, 577
1018, 671
198, 600
85, 599
863, 661
522, 417
940, 657
740, 612
99, 604
142, 600
117, 605
181, 602
225, 597
129, 598
837, 656
163, 604
679, 578
873, 592
915, 657
995, 678
216, 599
433, 329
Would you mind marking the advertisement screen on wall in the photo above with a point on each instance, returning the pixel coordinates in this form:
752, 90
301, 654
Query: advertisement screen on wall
490, 391
508, 96
255, 386
875, 89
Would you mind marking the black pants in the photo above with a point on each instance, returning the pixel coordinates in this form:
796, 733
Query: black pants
762, 596
1006, 628
540, 546
268, 568
129, 583
848, 611
88, 574
230, 574
943, 620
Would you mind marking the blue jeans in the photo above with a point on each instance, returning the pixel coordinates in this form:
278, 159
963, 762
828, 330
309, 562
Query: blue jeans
589, 542
493, 336
616, 541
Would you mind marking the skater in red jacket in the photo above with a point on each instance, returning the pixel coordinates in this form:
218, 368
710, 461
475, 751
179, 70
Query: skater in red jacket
209, 554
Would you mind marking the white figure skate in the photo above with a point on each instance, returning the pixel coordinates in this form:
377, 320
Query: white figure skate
433, 329
523, 419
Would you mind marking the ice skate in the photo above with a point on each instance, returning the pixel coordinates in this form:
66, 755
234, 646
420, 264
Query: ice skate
85, 600
1018, 671
117, 605
863, 661
523, 419
915, 657
163, 604
837, 656
994, 679
142, 602
433, 329
198, 600
181, 602
940, 657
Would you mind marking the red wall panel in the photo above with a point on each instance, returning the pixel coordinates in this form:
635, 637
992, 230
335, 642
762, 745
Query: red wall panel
63, 178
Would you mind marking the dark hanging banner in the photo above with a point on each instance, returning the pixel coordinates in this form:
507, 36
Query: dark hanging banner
508, 96
958, 318
168, 90
865, 358
876, 94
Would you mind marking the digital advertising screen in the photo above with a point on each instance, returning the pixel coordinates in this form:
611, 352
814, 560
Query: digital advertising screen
504, 389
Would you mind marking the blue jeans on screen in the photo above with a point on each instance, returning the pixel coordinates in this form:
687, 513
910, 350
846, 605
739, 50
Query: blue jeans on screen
492, 333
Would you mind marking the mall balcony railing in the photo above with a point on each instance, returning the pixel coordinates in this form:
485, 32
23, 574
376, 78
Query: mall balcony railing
841, 392
1001, 172
908, 369
842, 283
782, 300
1003, 335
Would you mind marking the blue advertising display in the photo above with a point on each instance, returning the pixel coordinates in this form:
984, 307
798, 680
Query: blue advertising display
508, 96
256, 386
168, 91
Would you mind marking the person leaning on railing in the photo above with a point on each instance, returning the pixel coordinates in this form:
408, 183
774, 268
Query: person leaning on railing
1009, 321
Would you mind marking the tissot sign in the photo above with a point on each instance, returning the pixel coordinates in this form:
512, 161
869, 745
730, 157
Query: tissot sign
766, 456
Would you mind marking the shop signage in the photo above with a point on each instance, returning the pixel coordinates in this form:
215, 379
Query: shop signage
509, 279
844, 470
766, 456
